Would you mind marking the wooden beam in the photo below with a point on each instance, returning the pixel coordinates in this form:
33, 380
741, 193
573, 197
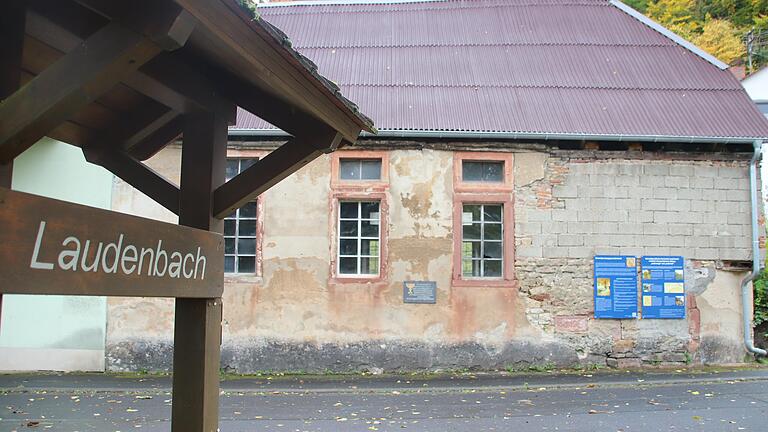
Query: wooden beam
197, 331
159, 80
12, 29
156, 141
148, 17
137, 175
267, 106
68, 85
185, 92
265, 173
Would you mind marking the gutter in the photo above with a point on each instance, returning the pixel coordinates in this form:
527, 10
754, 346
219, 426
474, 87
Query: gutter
747, 306
437, 134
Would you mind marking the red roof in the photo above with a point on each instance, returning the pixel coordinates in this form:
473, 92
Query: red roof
584, 67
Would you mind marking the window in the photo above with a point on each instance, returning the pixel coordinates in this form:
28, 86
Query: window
240, 228
359, 235
763, 106
360, 169
482, 243
483, 220
482, 171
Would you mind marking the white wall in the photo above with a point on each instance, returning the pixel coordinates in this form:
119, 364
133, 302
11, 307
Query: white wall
56, 332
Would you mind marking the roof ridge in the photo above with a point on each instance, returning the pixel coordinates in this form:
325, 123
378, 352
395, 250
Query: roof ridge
543, 86
668, 34
292, 8
497, 44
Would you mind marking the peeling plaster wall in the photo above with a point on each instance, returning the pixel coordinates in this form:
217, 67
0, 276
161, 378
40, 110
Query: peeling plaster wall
295, 316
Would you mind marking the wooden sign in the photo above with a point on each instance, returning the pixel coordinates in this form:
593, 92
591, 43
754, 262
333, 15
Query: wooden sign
49, 246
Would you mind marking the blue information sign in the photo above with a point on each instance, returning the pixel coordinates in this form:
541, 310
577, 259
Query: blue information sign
663, 287
615, 286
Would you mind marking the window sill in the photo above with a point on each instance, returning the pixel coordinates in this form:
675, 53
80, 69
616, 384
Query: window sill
484, 283
242, 278
357, 280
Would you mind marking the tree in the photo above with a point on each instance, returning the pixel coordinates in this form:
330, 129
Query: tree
720, 38
676, 15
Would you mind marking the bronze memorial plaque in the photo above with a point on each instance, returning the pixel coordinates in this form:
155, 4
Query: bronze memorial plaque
49, 246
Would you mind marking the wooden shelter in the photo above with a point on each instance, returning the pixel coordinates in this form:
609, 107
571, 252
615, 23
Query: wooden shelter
122, 79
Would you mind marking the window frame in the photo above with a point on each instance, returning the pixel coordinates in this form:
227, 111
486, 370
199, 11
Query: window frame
337, 183
257, 274
359, 238
483, 241
484, 193
360, 161
359, 190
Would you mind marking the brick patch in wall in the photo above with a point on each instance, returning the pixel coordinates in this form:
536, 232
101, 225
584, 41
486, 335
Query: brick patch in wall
571, 324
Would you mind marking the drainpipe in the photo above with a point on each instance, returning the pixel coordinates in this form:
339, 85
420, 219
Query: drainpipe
746, 305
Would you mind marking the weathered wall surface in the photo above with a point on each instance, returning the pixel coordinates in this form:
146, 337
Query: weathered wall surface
568, 206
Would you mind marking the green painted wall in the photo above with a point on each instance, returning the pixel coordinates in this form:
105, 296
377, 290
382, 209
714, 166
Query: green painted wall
53, 169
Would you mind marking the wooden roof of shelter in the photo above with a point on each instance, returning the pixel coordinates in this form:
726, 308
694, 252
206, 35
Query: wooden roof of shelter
118, 78
123, 78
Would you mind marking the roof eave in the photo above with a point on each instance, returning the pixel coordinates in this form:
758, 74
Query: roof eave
541, 136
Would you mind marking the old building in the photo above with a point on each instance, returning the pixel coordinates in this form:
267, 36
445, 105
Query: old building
517, 141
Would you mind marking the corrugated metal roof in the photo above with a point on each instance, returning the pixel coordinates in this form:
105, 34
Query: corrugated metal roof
519, 66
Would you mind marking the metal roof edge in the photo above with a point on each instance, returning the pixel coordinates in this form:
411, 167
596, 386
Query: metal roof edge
341, 2
668, 33
393, 133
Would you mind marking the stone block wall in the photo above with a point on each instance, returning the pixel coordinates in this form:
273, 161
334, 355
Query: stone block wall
584, 204
583, 207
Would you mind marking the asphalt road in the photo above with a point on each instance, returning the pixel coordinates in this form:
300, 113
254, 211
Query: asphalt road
733, 401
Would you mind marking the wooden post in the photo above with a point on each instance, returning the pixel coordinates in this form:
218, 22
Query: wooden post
13, 18
197, 333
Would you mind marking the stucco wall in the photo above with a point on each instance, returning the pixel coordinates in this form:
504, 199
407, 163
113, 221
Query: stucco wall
568, 206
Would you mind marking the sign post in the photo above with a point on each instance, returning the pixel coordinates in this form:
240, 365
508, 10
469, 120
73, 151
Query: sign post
49, 246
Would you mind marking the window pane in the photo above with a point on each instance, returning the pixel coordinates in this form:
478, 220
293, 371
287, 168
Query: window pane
492, 268
492, 250
471, 249
369, 247
246, 246
349, 169
371, 170
229, 227
493, 171
492, 231
231, 168
369, 229
474, 209
369, 265
348, 209
232, 215
247, 228
471, 232
348, 265
246, 264
348, 228
229, 264
471, 171
471, 268
229, 245
246, 163
348, 247
492, 213
370, 210
248, 210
